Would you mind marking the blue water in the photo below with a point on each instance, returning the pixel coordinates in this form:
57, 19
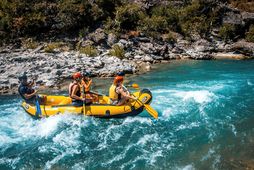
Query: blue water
206, 115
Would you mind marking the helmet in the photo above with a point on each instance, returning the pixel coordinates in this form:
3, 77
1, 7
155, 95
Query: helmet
121, 73
118, 79
76, 75
22, 76
86, 74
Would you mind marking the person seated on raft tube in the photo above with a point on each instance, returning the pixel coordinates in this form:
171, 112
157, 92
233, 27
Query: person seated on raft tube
118, 93
86, 86
27, 92
75, 91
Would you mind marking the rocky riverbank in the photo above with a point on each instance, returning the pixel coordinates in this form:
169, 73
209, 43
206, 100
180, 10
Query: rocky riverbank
51, 69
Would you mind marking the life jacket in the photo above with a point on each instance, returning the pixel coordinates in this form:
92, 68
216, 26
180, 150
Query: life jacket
78, 93
24, 89
112, 92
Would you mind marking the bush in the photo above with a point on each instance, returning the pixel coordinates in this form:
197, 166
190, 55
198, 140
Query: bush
250, 34
51, 47
169, 13
88, 50
227, 31
30, 43
195, 25
117, 51
170, 37
245, 5
127, 17
154, 24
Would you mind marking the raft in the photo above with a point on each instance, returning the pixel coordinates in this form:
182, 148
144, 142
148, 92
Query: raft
55, 105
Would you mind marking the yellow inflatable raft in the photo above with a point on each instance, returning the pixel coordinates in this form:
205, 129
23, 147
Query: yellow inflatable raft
61, 104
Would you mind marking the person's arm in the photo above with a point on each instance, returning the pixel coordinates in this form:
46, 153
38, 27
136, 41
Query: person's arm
74, 91
31, 84
28, 96
89, 83
126, 95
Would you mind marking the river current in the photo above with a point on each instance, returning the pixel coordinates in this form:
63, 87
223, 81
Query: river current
206, 115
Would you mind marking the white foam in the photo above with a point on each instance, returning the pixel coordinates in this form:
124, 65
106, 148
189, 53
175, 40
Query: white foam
188, 167
147, 138
208, 155
154, 156
141, 120
249, 83
200, 96
9, 161
166, 113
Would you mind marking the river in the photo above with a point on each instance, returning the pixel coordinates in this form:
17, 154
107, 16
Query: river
206, 115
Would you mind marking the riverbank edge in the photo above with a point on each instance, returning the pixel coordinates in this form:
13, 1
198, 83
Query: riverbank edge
51, 69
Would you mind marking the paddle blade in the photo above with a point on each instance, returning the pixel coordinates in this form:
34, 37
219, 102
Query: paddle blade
38, 108
136, 86
151, 111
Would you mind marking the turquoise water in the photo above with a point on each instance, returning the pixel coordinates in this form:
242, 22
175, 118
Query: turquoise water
206, 115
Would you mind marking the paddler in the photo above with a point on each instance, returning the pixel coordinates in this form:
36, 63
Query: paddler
27, 92
86, 84
75, 91
118, 93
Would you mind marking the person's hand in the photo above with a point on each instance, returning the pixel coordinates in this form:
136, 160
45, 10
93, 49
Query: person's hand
35, 91
134, 98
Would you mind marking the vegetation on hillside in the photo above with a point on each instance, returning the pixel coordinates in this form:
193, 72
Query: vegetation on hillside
76, 18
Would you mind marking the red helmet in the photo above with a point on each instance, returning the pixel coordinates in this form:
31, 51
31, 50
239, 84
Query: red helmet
118, 79
76, 75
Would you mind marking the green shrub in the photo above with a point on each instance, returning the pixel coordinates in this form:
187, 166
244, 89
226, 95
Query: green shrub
250, 34
117, 51
227, 31
196, 25
127, 17
154, 24
170, 37
88, 50
51, 47
245, 5
168, 13
30, 43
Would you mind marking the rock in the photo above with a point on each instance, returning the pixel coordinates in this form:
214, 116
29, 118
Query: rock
98, 36
148, 58
233, 18
248, 17
202, 45
245, 48
112, 39
86, 43
143, 67
224, 56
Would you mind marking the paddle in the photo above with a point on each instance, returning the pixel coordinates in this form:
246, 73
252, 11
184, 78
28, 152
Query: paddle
84, 101
148, 108
37, 105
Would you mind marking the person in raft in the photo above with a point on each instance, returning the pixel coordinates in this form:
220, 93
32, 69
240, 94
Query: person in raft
75, 91
86, 86
118, 93
27, 92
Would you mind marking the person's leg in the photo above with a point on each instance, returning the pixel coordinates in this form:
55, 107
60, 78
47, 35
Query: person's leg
77, 103
121, 101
